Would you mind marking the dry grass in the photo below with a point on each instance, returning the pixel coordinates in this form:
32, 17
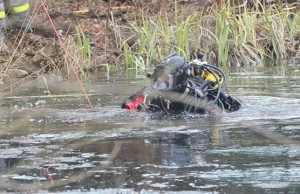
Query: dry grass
230, 36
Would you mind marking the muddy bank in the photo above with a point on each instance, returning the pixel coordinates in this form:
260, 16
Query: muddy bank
107, 26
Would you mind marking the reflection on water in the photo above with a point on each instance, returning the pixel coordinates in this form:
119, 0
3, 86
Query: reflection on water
58, 144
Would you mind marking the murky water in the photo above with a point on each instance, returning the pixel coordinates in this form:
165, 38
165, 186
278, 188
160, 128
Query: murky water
56, 143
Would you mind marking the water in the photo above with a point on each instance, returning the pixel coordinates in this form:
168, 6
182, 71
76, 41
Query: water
59, 144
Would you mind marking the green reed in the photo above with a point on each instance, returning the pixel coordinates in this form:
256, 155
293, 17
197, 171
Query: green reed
233, 34
83, 43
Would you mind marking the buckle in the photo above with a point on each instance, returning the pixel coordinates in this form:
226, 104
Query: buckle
179, 72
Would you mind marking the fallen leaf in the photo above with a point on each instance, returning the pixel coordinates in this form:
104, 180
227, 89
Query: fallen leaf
84, 11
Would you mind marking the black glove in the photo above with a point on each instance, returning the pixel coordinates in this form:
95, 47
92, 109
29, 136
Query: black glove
230, 103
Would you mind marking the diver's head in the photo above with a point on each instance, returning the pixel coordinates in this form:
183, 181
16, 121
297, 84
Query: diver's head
171, 73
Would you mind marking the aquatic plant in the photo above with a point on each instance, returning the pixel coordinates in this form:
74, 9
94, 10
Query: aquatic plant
83, 43
231, 36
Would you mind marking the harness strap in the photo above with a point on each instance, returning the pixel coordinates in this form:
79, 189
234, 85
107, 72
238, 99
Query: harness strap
182, 70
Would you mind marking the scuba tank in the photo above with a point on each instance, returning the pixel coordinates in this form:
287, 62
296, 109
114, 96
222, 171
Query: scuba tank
216, 78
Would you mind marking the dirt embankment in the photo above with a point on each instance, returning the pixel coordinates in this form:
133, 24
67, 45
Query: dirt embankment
105, 22
41, 53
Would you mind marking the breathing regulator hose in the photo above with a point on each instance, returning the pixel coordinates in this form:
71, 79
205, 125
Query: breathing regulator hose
218, 75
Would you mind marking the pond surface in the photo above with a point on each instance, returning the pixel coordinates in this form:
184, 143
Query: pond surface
56, 143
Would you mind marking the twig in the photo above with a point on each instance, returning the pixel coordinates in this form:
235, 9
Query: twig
94, 13
49, 96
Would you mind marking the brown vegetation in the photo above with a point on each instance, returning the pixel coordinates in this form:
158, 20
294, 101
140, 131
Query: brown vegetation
106, 23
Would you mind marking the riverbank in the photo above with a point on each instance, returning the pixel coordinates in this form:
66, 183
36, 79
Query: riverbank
136, 35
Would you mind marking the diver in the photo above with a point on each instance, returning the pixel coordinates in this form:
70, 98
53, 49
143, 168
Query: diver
179, 86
